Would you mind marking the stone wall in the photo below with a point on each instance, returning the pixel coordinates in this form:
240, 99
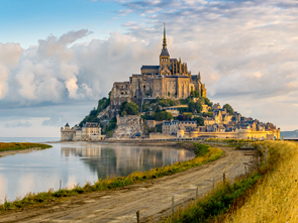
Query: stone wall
160, 136
128, 126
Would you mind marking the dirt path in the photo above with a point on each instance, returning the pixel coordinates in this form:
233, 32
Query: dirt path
152, 198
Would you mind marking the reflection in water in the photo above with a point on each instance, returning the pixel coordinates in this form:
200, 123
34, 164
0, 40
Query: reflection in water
122, 160
76, 163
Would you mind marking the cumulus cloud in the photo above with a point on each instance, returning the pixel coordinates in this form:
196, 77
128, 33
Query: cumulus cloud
48, 72
245, 51
9, 54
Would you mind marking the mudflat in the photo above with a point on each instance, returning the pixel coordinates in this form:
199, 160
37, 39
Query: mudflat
152, 198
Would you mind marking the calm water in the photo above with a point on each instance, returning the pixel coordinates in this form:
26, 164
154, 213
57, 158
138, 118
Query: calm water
29, 139
76, 163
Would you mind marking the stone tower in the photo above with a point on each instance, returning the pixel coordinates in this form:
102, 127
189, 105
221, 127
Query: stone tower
164, 58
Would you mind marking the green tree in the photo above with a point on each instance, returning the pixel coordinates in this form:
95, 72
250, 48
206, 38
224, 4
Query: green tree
200, 120
229, 109
191, 107
208, 102
130, 108
195, 94
198, 107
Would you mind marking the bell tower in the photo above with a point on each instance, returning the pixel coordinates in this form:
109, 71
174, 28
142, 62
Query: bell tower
164, 58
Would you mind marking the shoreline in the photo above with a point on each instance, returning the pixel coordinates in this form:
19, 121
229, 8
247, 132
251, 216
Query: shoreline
13, 152
110, 184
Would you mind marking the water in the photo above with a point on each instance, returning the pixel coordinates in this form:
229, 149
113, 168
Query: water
76, 163
29, 139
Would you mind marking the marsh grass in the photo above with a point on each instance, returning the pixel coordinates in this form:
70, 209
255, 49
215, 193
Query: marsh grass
115, 182
214, 203
275, 198
21, 146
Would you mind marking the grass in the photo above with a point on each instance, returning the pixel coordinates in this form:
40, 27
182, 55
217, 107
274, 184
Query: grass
229, 140
21, 146
116, 182
275, 198
215, 203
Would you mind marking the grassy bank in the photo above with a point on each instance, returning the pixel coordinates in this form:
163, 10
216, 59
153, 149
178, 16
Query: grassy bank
10, 146
213, 204
205, 154
275, 198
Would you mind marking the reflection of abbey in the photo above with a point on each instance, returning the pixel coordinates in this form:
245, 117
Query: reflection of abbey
169, 79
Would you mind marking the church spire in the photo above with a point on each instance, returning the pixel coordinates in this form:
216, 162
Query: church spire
164, 45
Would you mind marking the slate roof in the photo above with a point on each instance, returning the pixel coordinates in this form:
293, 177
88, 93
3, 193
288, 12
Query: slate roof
177, 76
150, 67
164, 52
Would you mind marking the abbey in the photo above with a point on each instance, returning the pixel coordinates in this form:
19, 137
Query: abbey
169, 79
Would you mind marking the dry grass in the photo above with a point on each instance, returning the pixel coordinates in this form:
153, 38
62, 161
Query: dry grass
21, 146
275, 198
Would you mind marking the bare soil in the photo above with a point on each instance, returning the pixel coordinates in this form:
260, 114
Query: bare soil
152, 198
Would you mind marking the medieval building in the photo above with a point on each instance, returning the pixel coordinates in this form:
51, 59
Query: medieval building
169, 79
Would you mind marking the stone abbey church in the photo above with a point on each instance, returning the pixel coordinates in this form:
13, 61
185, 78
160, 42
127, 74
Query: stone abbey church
169, 79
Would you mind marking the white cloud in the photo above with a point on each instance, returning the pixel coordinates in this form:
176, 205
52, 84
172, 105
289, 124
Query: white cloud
245, 51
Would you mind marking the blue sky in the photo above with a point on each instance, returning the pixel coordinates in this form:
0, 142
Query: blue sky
27, 21
57, 58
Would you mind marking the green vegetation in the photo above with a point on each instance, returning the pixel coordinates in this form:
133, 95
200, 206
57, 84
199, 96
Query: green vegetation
21, 146
158, 116
264, 202
92, 117
200, 120
229, 109
275, 198
129, 108
110, 127
165, 102
112, 183
201, 149
195, 107
195, 94
215, 203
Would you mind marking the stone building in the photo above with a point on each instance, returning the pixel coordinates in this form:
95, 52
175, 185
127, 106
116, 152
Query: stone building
170, 79
89, 132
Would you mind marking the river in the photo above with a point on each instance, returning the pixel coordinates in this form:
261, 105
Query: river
76, 163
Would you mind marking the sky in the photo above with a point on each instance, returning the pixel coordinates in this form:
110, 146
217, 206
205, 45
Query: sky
58, 58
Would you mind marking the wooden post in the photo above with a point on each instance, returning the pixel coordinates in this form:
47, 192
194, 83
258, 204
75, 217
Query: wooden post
172, 209
138, 216
224, 177
197, 193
